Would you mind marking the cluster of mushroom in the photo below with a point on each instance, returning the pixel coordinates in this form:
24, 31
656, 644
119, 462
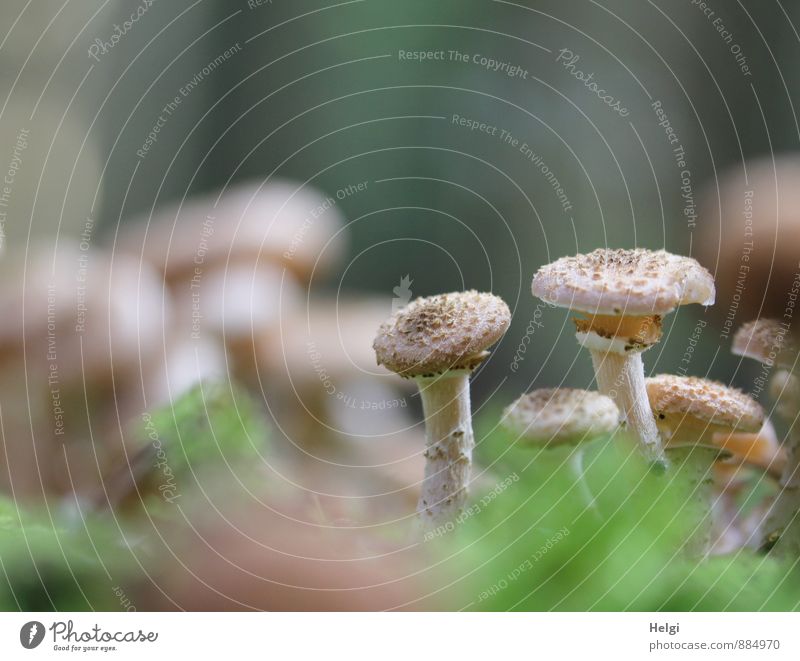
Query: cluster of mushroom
681, 424
100, 333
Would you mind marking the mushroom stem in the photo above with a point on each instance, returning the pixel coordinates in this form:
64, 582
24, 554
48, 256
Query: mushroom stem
449, 440
576, 464
695, 465
621, 377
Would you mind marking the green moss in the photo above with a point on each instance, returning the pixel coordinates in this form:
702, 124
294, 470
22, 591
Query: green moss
538, 546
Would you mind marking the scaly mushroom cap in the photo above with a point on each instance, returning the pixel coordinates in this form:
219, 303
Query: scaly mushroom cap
439, 333
557, 416
765, 340
701, 406
624, 282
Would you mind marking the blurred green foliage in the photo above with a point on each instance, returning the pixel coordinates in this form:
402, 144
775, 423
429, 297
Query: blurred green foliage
540, 546
65, 559
531, 541
214, 422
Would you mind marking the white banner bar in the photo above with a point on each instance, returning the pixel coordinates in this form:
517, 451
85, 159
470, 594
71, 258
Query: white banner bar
401, 636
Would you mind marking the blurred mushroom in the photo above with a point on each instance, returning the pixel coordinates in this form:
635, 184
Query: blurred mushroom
551, 417
319, 354
748, 237
86, 323
624, 294
280, 222
689, 411
768, 341
234, 260
438, 341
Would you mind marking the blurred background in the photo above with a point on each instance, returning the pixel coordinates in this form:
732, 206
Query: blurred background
240, 192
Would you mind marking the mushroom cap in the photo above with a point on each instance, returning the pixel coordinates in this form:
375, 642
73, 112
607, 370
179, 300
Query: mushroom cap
765, 340
624, 282
293, 225
703, 404
760, 196
95, 311
435, 334
560, 416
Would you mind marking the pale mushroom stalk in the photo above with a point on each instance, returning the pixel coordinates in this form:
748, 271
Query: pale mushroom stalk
690, 411
621, 377
449, 442
438, 341
623, 295
576, 465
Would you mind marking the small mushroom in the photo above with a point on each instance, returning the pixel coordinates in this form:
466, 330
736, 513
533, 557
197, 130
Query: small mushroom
688, 412
766, 340
551, 417
438, 341
623, 295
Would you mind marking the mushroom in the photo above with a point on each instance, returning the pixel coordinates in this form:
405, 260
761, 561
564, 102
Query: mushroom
438, 341
770, 342
689, 411
748, 237
551, 417
279, 222
85, 323
237, 260
624, 294
766, 340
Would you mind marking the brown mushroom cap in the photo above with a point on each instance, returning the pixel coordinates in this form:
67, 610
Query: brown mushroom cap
439, 333
749, 234
701, 404
557, 416
95, 311
281, 222
765, 340
624, 282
